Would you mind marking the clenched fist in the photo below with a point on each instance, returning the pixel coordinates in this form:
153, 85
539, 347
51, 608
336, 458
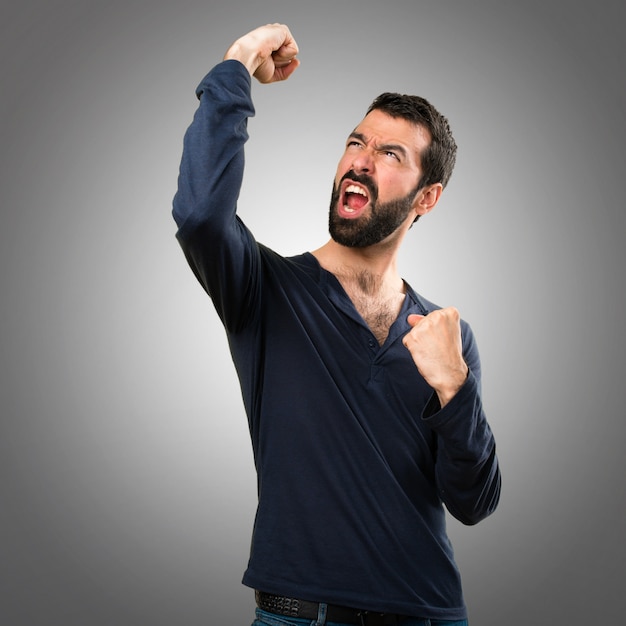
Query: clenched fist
268, 52
434, 342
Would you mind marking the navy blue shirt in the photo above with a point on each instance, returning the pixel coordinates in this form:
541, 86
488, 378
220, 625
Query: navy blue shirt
354, 455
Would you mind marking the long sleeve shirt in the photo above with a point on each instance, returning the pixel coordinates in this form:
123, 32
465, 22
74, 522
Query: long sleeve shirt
355, 458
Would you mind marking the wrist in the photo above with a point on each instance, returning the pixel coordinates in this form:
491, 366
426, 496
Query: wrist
446, 391
249, 58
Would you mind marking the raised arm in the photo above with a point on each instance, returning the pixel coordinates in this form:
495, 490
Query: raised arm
219, 248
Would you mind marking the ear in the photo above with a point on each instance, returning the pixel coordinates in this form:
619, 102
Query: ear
427, 198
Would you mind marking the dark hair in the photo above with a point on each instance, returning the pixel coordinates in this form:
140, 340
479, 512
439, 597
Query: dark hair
438, 159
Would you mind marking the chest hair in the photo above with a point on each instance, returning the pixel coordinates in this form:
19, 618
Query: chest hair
377, 304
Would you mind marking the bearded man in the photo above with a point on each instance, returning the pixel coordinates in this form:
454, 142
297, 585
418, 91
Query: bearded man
363, 398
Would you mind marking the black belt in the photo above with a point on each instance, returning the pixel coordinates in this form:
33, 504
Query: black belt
292, 607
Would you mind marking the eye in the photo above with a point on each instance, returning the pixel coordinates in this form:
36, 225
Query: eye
391, 155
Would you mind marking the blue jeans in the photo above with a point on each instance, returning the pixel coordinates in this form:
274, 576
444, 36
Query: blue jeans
270, 619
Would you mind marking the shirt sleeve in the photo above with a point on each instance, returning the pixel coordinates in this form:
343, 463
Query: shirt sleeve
467, 469
219, 248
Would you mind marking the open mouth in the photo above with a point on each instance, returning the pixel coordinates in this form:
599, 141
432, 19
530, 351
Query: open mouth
354, 199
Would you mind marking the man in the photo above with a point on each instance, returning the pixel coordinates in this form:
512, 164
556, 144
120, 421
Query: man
362, 397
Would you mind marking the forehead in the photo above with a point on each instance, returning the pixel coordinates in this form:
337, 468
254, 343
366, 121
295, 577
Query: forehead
380, 128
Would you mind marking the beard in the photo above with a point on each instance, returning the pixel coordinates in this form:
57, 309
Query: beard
384, 218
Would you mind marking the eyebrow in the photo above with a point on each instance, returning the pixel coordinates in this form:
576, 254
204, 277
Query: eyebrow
392, 147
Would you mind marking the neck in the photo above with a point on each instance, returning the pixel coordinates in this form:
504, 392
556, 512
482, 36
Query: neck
372, 268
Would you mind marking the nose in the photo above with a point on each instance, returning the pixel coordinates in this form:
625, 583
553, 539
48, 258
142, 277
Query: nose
363, 162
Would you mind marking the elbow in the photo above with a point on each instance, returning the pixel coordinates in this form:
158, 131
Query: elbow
470, 508
472, 516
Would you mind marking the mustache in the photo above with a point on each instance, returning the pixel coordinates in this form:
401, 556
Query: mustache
363, 179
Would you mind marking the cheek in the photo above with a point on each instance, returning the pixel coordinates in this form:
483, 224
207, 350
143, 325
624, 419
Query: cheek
392, 187
389, 188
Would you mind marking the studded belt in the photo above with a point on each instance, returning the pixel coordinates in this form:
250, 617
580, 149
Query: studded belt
292, 607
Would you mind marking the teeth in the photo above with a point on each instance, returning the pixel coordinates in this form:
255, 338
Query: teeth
355, 189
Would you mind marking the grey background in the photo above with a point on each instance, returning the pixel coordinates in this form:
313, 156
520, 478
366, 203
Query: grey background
127, 489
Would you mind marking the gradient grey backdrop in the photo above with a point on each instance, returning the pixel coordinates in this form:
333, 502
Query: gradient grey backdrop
127, 486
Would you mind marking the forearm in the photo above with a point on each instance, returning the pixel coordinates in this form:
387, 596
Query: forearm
467, 470
211, 167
